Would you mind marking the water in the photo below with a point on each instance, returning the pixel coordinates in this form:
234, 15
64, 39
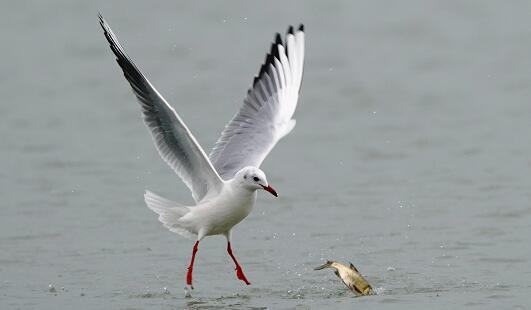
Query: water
410, 157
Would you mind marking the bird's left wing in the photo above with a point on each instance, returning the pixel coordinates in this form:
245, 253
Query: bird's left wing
174, 141
266, 114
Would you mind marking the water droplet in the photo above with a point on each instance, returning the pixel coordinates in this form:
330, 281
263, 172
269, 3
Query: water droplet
379, 290
51, 288
187, 292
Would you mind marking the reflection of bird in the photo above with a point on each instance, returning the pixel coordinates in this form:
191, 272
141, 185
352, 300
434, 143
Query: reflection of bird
224, 184
350, 277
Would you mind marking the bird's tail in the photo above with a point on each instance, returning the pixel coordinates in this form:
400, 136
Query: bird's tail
169, 213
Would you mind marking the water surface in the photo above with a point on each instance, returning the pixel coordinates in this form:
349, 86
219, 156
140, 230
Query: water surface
410, 157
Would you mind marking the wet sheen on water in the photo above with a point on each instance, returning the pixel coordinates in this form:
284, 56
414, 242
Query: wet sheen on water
410, 157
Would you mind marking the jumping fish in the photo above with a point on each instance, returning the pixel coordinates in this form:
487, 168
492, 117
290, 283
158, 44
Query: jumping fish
350, 276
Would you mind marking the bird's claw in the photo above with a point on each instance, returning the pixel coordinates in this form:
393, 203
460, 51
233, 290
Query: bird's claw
241, 275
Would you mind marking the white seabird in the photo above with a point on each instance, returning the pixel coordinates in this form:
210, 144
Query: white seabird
223, 184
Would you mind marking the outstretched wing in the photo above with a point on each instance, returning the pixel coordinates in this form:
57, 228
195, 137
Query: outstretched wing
266, 114
174, 141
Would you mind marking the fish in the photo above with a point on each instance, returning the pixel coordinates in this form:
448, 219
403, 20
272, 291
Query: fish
350, 276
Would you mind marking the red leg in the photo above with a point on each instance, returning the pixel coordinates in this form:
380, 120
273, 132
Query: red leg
191, 267
239, 271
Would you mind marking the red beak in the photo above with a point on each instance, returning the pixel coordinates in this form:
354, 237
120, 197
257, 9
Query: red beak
270, 189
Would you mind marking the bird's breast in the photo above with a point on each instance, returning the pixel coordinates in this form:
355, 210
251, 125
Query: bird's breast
229, 210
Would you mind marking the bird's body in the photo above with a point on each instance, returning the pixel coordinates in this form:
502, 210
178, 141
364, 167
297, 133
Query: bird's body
350, 276
224, 183
218, 215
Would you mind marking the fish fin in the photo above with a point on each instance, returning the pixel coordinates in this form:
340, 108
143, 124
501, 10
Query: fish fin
355, 289
353, 268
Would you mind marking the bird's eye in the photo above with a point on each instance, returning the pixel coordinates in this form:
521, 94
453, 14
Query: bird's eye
256, 179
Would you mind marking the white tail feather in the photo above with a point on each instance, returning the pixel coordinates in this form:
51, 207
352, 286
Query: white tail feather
169, 213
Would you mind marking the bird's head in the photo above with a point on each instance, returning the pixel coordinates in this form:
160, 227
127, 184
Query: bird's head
329, 264
253, 178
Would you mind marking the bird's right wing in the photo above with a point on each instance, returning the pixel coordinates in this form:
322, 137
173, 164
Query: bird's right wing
174, 141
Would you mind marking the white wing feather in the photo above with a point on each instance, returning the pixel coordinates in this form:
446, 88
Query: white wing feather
174, 141
266, 114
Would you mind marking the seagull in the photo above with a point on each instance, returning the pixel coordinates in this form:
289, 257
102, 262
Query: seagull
223, 184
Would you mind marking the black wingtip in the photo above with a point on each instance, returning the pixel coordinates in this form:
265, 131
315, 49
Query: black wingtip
278, 39
268, 60
290, 30
103, 23
274, 50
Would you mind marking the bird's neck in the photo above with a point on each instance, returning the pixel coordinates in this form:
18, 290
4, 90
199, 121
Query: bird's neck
239, 189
